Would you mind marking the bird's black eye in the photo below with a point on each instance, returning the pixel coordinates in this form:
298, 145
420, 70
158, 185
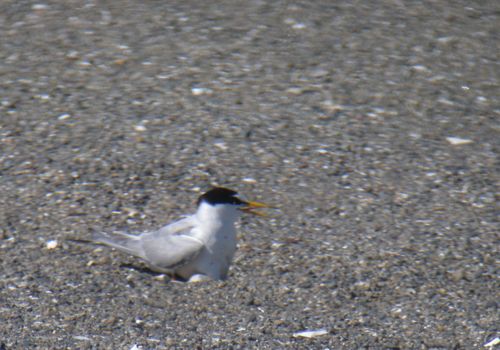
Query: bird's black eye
220, 195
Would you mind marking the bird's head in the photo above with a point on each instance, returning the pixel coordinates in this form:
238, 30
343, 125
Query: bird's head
220, 196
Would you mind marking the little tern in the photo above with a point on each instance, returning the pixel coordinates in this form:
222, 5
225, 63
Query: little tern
203, 243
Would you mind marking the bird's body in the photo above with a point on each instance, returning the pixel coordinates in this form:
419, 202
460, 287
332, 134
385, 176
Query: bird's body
200, 244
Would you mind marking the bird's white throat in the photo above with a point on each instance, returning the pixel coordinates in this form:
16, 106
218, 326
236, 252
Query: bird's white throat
217, 215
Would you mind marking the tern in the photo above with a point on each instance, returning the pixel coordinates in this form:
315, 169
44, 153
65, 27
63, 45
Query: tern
202, 244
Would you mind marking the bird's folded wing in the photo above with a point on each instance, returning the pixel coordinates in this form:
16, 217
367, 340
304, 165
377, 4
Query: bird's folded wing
170, 251
177, 227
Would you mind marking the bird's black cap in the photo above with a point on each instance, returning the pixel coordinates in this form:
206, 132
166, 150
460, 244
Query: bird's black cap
220, 195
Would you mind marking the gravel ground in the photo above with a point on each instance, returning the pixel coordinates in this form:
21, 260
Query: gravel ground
373, 125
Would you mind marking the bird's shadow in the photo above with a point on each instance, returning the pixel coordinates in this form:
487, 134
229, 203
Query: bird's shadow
142, 269
147, 270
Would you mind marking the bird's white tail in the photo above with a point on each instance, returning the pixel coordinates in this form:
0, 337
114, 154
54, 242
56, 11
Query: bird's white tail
125, 242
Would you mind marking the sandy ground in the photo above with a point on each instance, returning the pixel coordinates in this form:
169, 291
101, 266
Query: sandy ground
373, 125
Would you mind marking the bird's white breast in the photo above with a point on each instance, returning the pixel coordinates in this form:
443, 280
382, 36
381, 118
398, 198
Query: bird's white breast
217, 231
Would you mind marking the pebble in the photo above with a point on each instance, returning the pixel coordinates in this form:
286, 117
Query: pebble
52, 244
457, 141
310, 333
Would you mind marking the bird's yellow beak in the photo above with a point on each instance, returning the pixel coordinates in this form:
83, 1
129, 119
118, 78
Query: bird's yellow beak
251, 206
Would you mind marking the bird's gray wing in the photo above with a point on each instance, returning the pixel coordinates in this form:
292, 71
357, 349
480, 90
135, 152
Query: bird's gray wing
178, 227
170, 251
125, 242
171, 246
